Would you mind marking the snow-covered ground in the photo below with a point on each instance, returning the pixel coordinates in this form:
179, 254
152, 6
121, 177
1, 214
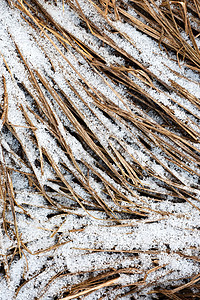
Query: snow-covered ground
64, 191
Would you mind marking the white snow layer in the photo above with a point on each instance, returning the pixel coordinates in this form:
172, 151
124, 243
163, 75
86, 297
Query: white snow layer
168, 240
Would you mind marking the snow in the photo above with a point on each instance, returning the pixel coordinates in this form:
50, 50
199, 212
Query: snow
87, 240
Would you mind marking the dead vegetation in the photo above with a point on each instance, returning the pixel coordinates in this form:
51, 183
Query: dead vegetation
175, 25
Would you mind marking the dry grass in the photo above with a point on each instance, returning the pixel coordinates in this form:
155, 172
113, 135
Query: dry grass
176, 140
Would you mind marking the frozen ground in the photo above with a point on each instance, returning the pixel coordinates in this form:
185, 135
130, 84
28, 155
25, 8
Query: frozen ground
65, 192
